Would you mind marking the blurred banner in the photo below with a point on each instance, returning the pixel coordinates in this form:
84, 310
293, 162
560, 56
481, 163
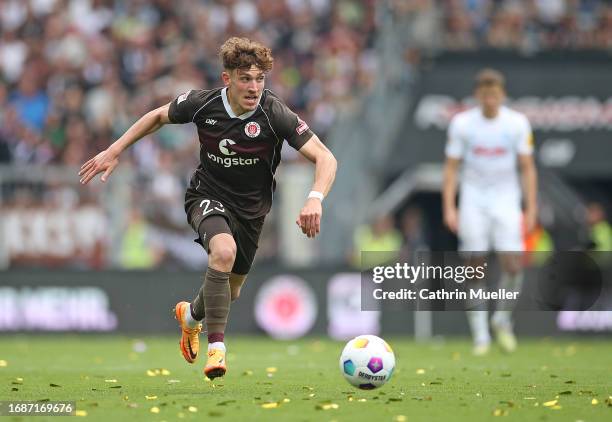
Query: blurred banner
283, 303
567, 97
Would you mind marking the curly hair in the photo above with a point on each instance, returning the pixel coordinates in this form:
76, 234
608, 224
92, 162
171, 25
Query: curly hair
242, 53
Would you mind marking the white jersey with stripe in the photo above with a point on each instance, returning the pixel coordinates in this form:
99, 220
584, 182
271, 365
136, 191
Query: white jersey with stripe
489, 150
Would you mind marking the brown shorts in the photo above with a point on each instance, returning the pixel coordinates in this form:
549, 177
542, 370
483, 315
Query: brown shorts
200, 207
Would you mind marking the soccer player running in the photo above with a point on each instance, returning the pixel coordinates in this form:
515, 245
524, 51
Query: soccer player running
491, 141
241, 128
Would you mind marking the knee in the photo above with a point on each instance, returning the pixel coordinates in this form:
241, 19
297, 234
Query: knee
223, 256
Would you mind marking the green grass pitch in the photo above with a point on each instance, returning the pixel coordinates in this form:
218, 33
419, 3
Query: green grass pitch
112, 379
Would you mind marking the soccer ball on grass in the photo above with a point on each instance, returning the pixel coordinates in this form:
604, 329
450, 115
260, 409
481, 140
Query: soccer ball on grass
367, 362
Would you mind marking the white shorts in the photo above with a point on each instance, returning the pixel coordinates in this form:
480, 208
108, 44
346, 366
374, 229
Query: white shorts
497, 226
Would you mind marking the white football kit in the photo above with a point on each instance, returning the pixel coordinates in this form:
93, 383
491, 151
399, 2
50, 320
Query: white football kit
490, 190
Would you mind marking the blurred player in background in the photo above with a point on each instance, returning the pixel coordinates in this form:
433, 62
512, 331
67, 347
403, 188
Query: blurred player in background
241, 128
489, 141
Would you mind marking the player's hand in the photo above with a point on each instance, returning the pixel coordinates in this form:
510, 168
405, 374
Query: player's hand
106, 161
451, 219
309, 219
531, 219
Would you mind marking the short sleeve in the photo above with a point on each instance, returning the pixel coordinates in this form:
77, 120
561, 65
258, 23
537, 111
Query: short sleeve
287, 125
455, 147
525, 137
185, 106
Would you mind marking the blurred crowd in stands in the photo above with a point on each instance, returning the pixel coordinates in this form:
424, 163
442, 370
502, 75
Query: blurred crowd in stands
527, 26
75, 74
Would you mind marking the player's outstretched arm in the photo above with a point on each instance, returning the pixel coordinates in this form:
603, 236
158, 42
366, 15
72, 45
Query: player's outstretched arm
529, 178
107, 160
449, 193
325, 163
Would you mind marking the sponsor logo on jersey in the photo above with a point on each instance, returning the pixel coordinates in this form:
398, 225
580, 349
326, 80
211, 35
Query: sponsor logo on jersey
302, 127
211, 121
182, 97
252, 129
224, 147
490, 151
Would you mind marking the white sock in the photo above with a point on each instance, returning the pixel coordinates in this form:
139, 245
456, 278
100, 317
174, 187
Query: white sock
502, 319
192, 323
479, 325
216, 345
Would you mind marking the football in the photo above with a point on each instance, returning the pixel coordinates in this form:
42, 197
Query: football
367, 362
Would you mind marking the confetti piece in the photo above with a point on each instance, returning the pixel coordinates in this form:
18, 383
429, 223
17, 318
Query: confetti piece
594, 402
3, 363
550, 403
307, 388
226, 402
609, 401
529, 398
557, 407
311, 395
271, 369
150, 373
173, 381
110, 380
326, 406
272, 405
19, 379
151, 397
80, 413
165, 372
155, 409
362, 400
500, 412
286, 400
420, 371
399, 418
126, 398
192, 409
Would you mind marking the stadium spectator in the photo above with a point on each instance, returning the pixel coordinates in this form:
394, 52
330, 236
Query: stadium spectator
601, 230
379, 236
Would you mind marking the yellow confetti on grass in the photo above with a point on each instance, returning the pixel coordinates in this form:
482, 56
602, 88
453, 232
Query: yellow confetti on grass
151, 397
327, 406
557, 407
192, 409
500, 412
420, 371
80, 413
110, 380
272, 405
3, 363
165, 372
150, 373
155, 409
399, 418
286, 400
594, 402
550, 403
271, 369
